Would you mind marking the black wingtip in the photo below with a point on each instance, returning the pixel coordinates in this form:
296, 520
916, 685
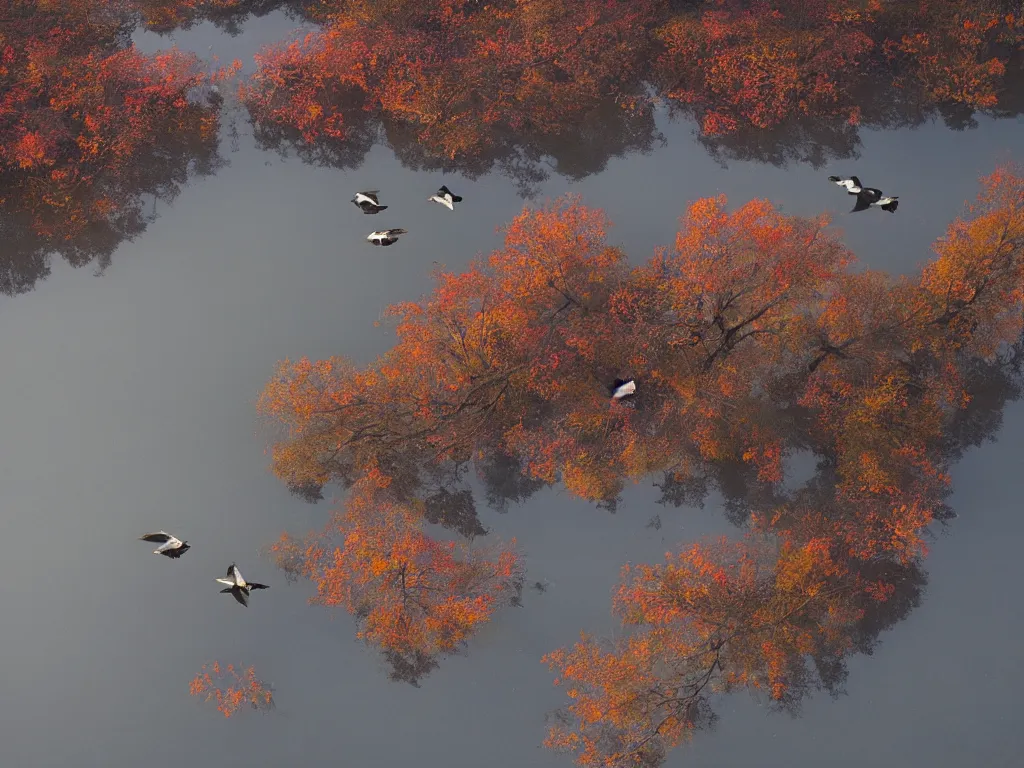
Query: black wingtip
456, 198
890, 207
834, 178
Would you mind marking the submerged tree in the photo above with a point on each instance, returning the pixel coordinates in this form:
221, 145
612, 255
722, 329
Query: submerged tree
232, 688
416, 598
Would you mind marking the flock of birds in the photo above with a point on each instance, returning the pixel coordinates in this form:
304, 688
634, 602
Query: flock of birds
369, 203
173, 547
866, 196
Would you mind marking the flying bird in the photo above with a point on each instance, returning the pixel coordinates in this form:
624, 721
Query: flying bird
368, 202
238, 586
170, 546
234, 579
445, 197
869, 196
622, 388
385, 236
852, 184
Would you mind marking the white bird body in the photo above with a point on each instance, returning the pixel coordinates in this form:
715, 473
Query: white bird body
234, 578
385, 236
445, 197
363, 198
852, 184
169, 545
368, 202
237, 585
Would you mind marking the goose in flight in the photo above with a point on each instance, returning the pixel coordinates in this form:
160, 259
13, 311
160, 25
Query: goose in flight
869, 196
238, 586
852, 184
622, 388
445, 197
170, 546
234, 579
368, 202
385, 236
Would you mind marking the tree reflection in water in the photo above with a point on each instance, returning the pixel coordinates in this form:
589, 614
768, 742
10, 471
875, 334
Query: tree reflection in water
559, 84
92, 134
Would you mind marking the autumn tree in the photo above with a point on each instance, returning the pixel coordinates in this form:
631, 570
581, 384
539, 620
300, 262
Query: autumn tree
751, 319
416, 598
232, 688
489, 346
773, 617
762, 64
889, 371
469, 84
89, 128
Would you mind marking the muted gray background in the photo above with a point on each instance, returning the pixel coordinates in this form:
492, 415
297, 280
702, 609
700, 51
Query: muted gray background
126, 405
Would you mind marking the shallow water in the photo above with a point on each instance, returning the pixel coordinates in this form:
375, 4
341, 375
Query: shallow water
127, 406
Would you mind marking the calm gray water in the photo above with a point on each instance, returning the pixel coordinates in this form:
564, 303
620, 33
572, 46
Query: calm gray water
126, 406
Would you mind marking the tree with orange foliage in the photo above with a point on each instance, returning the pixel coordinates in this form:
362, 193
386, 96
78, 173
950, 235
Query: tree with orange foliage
88, 125
232, 688
889, 369
469, 82
740, 63
957, 52
736, 64
768, 616
457, 84
752, 314
417, 598
488, 347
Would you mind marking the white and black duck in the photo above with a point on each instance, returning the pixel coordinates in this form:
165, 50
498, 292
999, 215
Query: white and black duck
445, 197
368, 202
869, 196
852, 183
385, 236
170, 546
238, 586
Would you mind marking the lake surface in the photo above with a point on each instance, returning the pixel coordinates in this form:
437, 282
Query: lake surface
127, 405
